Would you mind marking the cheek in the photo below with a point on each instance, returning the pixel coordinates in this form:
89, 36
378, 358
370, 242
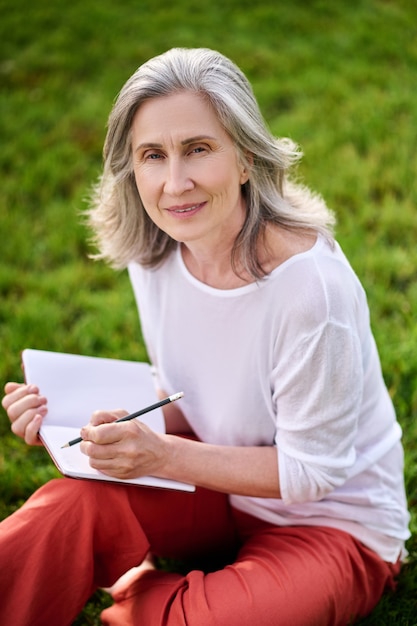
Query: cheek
137, 182
222, 183
145, 188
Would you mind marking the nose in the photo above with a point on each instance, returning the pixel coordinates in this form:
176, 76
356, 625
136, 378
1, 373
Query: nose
177, 179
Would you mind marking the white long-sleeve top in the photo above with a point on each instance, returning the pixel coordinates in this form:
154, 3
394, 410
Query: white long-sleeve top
288, 361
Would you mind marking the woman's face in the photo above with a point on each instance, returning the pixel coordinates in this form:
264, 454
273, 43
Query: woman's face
187, 170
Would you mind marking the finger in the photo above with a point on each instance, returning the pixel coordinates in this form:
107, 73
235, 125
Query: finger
105, 417
105, 459
103, 434
11, 386
13, 392
20, 425
98, 451
31, 402
16, 392
116, 471
32, 431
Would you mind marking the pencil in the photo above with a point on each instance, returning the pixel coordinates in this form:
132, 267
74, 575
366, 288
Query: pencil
126, 418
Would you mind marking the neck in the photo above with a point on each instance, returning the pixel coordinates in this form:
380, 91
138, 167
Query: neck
209, 259
213, 267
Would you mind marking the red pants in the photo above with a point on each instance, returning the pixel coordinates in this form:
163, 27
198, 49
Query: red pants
74, 536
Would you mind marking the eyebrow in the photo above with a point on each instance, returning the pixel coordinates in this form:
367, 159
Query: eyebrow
185, 142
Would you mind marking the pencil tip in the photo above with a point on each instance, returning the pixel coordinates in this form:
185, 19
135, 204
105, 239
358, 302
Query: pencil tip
66, 445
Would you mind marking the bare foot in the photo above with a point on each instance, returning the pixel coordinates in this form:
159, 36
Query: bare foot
132, 574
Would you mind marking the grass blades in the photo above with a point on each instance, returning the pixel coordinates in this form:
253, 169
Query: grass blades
337, 77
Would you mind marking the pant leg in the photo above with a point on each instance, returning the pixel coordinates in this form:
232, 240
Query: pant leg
309, 576
55, 551
73, 536
197, 526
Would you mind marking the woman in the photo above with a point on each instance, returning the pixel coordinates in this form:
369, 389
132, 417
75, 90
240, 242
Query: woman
249, 305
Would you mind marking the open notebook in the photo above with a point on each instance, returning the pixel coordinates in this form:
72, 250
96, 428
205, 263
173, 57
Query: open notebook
75, 387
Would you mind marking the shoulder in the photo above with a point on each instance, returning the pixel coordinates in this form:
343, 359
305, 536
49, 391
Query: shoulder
151, 281
138, 271
312, 259
279, 245
317, 285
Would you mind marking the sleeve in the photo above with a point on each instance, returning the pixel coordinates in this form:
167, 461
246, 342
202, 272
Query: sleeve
317, 396
140, 286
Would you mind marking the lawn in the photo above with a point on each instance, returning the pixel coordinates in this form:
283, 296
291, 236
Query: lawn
337, 77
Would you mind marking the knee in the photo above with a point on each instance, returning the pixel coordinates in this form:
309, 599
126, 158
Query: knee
61, 490
70, 497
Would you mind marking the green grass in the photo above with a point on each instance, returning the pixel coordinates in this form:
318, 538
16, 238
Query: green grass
338, 77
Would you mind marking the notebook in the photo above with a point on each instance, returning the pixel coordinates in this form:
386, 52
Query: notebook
75, 386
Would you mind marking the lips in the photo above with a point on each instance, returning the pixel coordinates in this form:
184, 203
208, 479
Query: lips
190, 208
185, 209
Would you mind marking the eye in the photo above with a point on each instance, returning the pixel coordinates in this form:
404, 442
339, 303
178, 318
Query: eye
198, 149
152, 156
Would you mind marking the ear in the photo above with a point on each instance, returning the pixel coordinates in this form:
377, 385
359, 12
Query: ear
246, 167
244, 177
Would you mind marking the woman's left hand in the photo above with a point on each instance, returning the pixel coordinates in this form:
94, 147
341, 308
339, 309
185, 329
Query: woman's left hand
124, 450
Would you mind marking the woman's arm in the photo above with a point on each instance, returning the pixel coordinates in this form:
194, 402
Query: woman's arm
131, 449
249, 471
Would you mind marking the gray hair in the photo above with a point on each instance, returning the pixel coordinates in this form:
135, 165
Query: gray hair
123, 230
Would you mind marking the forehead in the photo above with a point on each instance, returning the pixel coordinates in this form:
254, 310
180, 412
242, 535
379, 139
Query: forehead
173, 115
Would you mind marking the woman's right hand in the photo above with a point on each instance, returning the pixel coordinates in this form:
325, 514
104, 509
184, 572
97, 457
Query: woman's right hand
26, 409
